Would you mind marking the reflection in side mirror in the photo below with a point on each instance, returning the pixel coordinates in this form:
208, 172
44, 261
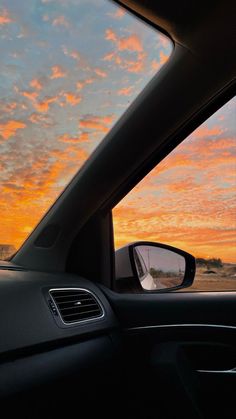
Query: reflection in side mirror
153, 267
158, 268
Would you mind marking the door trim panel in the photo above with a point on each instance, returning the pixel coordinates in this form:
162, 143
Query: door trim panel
180, 325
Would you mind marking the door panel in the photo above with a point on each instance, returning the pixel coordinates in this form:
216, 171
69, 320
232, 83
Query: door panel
158, 309
180, 353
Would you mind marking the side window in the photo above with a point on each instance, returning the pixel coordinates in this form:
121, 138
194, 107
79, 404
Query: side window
189, 201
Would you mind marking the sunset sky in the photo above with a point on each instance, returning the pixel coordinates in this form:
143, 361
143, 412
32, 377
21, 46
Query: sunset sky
69, 69
189, 199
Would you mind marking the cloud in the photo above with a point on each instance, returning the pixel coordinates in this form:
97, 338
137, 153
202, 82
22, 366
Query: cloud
163, 58
9, 128
98, 123
109, 57
29, 195
43, 105
8, 107
135, 66
30, 95
125, 91
44, 120
36, 84
205, 131
61, 21
72, 99
100, 72
57, 72
131, 44
73, 54
118, 14
82, 138
110, 35
188, 200
163, 41
5, 17
157, 64
82, 83
223, 143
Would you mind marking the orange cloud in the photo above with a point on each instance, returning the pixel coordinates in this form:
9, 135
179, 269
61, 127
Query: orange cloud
130, 44
9, 129
107, 119
43, 106
109, 56
204, 131
113, 56
72, 99
163, 58
9, 107
36, 84
118, 14
224, 143
5, 18
30, 95
97, 123
61, 21
125, 91
28, 195
100, 73
163, 41
92, 124
43, 120
57, 72
82, 83
155, 65
73, 54
110, 35
82, 138
135, 66
188, 200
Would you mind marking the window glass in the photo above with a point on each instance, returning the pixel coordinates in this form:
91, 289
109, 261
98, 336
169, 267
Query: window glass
68, 70
189, 201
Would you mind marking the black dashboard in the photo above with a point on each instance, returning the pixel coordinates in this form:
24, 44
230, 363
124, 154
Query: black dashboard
36, 348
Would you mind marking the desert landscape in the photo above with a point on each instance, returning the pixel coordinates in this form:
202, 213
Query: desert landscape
211, 275
217, 278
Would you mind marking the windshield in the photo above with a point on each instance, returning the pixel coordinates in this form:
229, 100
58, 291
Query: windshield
69, 69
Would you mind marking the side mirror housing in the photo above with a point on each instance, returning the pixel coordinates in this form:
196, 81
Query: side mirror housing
153, 267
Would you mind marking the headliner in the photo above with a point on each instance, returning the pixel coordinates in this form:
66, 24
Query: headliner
199, 25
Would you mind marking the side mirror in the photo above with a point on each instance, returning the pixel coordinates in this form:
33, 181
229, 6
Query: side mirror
153, 267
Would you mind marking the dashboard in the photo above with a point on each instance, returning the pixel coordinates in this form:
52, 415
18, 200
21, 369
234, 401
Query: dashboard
36, 345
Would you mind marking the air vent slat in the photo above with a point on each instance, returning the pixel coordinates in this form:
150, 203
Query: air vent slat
83, 312
81, 307
64, 301
76, 305
77, 295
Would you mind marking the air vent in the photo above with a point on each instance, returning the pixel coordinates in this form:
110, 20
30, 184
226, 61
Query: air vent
76, 304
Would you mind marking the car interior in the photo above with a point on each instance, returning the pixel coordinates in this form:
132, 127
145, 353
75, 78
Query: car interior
129, 352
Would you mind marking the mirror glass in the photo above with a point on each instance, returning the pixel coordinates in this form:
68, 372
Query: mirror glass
158, 268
